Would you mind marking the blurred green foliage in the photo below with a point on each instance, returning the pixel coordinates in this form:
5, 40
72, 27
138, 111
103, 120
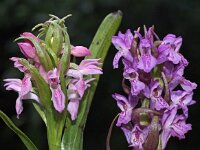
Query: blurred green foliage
180, 17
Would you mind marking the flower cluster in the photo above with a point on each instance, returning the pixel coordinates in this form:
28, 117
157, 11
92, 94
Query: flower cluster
156, 107
47, 58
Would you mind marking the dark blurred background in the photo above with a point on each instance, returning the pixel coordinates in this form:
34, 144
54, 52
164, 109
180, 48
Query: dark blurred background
181, 17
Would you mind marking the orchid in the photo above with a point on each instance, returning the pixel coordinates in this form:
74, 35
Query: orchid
60, 88
52, 75
58, 96
154, 77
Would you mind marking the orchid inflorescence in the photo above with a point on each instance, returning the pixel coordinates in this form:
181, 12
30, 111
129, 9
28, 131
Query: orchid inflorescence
158, 96
48, 62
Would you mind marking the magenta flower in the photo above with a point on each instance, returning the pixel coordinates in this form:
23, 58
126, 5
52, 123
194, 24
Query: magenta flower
27, 47
135, 137
78, 84
182, 99
86, 67
76, 90
126, 106
24, 89
169, 49
173, 125
154, 92
30, 35
130, 73
147, 61
58, 96
80, 51
122, 42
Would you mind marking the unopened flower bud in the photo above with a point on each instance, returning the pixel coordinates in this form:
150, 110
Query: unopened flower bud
80, 51
54, 38
27, 49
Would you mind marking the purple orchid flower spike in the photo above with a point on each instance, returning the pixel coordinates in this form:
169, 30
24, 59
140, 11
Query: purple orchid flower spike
24, 89
123, 43
80, 51
58, 96
153, 78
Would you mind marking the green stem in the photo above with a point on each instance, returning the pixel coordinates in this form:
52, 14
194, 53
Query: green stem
55, 125
75, 138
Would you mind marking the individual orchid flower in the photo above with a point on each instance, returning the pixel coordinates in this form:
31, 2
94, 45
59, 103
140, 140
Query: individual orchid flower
24, 89
86, 67
172, 72
58, 96
154, 92
183, 99
130, 73
135, 137
169, 49
179, 127
80, 51
126, 106
147, 61
122, 43
173, 125
76, 90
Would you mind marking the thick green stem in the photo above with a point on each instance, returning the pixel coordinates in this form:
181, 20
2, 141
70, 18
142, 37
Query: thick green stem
55, 124
75, 138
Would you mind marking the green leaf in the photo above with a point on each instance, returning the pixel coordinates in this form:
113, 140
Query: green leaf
42, 87
65, 63
40, 112
72, 138
29, 144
